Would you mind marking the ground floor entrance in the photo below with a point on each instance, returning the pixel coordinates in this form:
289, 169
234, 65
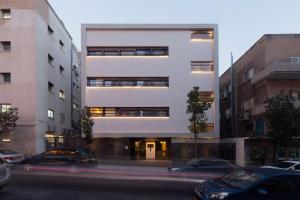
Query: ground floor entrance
151, 149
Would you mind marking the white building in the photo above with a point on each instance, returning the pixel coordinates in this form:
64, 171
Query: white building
135, 80
37, 62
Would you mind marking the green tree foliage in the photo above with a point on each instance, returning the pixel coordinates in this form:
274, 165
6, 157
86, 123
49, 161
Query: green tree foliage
196, 108
8, 120
284, 121
87, 124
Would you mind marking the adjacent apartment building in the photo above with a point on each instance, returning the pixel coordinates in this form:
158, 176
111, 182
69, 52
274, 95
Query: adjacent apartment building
135, 80
269, 67
37, 58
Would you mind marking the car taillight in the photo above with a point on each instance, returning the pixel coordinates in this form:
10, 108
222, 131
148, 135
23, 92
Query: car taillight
8, 158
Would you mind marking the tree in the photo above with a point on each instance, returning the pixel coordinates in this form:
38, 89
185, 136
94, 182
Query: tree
8, 120
196, 107
284, 121
86, 124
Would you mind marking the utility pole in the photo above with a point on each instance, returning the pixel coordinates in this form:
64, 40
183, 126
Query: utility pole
232, 96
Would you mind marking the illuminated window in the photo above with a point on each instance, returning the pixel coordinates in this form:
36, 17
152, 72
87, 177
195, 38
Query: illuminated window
206, 96
5, 107
50, 114
5, 13
202, 35
201, 66
62, 94
96, 112
129, 112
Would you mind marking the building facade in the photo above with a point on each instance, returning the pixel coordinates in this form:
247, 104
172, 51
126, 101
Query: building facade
269, 67
36, 63
135, 80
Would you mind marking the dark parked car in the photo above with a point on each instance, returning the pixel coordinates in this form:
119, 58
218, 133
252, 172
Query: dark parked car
206, 165
251, 184
68, 157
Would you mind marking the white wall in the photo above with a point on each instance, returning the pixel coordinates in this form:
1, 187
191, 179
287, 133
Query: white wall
176, 66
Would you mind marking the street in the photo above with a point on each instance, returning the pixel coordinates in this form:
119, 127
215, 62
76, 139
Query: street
41, 186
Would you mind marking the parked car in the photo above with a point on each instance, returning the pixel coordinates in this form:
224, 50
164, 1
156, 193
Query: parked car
206, 165
4, 173
66, 157
11, 156
251, 184
286, 165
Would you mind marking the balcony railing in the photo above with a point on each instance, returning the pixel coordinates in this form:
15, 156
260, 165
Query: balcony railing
284, 69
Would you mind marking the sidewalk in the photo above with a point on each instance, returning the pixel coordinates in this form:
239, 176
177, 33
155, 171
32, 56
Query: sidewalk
148, 163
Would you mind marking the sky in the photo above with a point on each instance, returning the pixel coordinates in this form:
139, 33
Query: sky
241, 22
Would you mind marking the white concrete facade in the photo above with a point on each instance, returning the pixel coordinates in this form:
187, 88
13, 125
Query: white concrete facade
176, 66
27, 61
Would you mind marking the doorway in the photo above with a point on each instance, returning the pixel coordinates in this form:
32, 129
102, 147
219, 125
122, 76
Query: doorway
150, 150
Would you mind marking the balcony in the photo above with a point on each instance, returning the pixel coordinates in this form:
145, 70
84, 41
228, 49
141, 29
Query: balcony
279, 70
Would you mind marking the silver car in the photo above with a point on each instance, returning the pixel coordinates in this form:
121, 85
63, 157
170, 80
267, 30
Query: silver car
4, 173
10, 156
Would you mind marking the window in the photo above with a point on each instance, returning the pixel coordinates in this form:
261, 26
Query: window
62, 117
202, 35
202, 66
5, 77
50, 59
248, 74
50, 31
61, 70
62, 94
297, 167
206, 96
50, 87
50, 114
5, 13
129, 112
61, 45
5, 46
127, 51
75, 106
278, 185
296, 95
5, 107
128, 82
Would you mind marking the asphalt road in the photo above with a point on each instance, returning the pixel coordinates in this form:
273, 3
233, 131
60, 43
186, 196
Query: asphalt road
33, 187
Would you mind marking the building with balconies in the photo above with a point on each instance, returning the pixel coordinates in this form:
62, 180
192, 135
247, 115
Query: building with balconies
269, 67
135, 80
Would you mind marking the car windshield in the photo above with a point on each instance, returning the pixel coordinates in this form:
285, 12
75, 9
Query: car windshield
284, 165
6, 152
241, 178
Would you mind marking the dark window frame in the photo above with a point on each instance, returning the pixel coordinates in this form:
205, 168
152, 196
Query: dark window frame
121, 82
127, 51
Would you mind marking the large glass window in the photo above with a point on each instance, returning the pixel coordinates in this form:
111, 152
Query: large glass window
129, 112
128, 82
127, 51
5, 13
202, 66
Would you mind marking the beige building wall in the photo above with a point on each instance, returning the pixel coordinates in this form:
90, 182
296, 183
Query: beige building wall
27, 61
